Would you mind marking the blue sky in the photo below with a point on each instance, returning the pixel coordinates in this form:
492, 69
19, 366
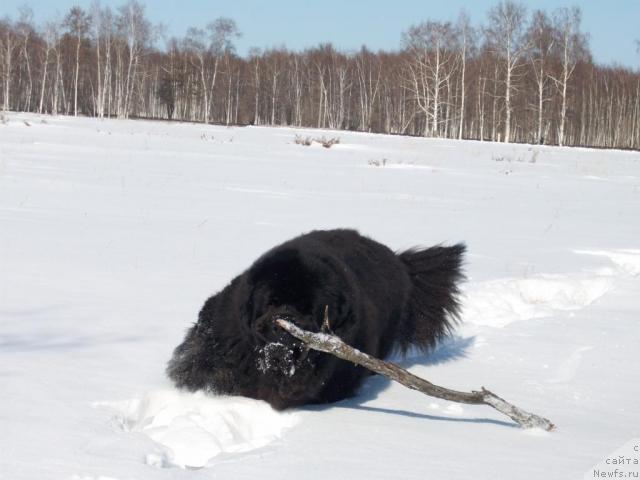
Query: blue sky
613, 25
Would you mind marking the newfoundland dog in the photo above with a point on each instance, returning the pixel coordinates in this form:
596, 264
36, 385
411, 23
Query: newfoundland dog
376, 301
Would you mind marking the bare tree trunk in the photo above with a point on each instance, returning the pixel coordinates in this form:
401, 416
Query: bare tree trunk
25, 53
56, 86
297, 88
274, 91
210, 98
229, 92
105, 96
321, 96
99, 102
494, 110
256, 83
128, 85
540, 105
507, 101
9, 46
237, 99
436, 95
481, 106
563, 109
204, 88
447, 108
462, 88
635, 135
75, 82
44, 76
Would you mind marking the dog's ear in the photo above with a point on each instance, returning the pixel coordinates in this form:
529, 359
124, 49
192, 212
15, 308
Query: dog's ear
341, 311
284, 265
206, 317
216, 354
185, 367
191, 363
282, 276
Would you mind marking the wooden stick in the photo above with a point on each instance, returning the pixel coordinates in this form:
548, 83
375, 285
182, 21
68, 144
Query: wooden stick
328, 343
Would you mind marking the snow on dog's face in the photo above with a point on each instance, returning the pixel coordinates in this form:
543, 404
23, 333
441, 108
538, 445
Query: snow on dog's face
236, 348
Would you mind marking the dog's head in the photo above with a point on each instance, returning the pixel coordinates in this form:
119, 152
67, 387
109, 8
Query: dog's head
298, 288
237, 348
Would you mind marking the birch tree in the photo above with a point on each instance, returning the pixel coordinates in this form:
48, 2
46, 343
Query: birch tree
77, 24
432, 64
50, 35
8, 44
275, 64
170, 81
297, 89
58, 67
466, 36
540, 36
137, 33
102, 21
196, 49
256, 77
369, 72
505, 35
25, 31
571, 43
221, 34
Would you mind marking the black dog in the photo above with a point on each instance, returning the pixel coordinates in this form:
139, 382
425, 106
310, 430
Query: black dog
376, 301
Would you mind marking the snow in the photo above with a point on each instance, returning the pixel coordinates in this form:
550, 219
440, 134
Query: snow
498, 303
626, 260
113, 233
192, 429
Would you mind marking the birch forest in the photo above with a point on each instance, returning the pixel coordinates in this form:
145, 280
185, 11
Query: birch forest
520, 76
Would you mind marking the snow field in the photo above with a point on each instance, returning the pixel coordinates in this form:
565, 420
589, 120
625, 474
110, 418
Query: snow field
113, 233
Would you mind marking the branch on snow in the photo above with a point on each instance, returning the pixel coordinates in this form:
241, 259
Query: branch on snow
329, 343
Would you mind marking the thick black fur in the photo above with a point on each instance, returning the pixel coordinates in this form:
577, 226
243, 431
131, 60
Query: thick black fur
376, 300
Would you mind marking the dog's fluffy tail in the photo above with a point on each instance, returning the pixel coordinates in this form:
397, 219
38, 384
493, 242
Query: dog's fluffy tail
433, 306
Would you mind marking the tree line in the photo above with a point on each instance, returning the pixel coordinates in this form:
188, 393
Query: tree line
521, 77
